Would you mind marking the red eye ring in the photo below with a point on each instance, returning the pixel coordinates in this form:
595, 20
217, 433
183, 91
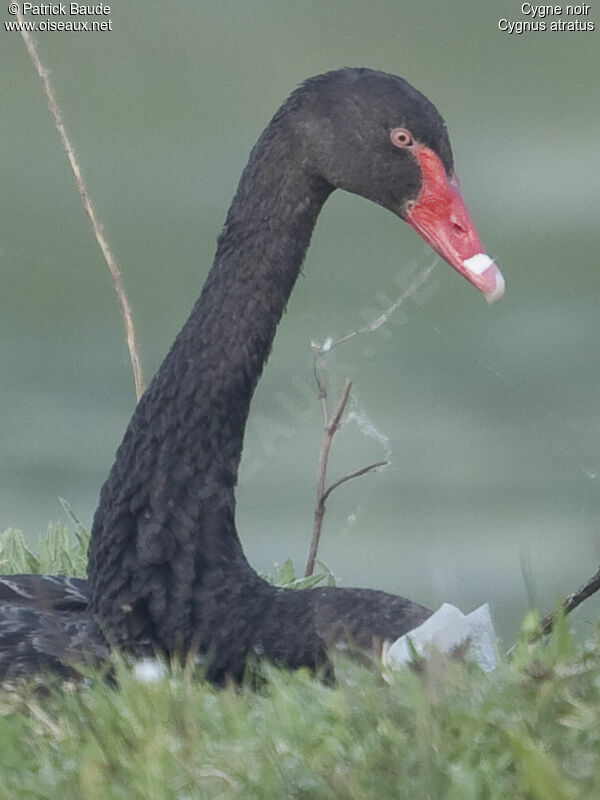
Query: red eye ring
401, 137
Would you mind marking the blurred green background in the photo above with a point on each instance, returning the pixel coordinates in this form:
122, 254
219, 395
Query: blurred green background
492, 414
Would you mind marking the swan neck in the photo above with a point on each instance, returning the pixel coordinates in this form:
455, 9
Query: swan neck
164, 542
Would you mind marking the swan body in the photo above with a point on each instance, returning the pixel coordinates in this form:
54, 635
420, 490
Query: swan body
166, 568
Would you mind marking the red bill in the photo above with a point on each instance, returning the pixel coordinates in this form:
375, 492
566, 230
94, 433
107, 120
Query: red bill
440, 216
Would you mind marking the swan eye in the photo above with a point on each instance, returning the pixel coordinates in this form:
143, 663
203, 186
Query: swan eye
401, 137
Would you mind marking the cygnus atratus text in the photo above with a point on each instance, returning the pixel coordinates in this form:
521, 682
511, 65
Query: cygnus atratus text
166, 568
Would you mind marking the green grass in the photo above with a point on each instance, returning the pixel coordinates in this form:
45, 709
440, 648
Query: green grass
530, 731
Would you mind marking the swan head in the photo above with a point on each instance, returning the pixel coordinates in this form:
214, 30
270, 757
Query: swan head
374, 135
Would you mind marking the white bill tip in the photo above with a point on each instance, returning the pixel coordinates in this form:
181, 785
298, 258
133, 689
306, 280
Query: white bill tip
481, 270
478, 264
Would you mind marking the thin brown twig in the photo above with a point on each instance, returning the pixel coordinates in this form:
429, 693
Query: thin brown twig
321, 390
115, 273
352, 475
323, 491
572, 601
332, 426
330, 429
335, 422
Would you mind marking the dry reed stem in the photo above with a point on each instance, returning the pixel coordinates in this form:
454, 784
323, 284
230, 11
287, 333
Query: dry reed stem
136, 363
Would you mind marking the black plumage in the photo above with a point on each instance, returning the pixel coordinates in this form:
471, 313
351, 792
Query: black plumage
166, 567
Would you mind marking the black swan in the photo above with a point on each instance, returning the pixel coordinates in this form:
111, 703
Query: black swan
166, 571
